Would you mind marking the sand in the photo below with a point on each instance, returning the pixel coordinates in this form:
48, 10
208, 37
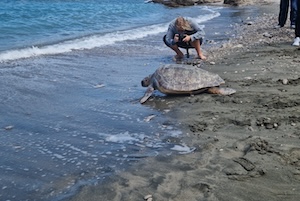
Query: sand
247, 144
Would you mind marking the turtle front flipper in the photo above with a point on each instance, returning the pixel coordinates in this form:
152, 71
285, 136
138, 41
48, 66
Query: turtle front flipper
222, 91
147, 95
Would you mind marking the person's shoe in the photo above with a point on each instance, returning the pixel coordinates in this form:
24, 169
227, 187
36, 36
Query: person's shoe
296, 41
293, 26
278, 26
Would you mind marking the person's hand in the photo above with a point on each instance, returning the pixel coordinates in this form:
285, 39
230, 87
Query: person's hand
186, 39
176, 38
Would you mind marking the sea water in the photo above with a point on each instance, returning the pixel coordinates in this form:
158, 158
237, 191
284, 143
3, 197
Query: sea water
70, 73
31, 28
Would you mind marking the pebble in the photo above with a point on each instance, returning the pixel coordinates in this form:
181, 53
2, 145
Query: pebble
269, 126
147, 197
249, 23
285, 81
250, 128
238, 46
267, 35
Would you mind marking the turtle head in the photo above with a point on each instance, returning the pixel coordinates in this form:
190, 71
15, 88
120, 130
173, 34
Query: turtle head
146, 81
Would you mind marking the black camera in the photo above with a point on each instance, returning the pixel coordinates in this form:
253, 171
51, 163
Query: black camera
181, 37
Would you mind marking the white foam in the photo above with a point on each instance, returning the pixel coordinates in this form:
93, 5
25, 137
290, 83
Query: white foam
121, 138
183, 149
176, 133
76, 149
90, 42
58, 156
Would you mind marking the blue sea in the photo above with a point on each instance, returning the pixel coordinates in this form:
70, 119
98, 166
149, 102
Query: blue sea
70, 73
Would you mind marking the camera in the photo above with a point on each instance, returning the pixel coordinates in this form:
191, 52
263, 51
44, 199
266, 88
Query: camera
181, 37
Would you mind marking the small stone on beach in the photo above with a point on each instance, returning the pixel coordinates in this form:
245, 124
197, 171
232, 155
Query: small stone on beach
267, 35
147, 197
285, 81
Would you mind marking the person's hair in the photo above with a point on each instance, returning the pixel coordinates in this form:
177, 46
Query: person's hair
181, 23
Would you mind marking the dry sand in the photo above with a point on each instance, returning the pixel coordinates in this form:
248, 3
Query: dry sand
247, 144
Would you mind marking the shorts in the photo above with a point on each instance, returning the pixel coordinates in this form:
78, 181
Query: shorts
181, 43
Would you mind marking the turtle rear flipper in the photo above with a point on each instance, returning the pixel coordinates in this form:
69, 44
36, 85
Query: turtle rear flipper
222, 91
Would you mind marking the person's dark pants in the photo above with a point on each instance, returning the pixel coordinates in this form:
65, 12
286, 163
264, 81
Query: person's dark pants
297, 30
284, 10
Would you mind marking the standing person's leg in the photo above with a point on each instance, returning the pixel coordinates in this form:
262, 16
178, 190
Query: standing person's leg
283, 12
297, 29
293, 13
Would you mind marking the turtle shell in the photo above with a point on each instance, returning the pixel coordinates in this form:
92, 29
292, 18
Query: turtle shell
179, 78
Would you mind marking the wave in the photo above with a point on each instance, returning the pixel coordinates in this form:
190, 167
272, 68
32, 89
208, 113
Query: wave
94, 41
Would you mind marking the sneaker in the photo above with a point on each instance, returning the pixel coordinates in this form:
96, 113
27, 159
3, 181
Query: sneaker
278, 26
293, 26
296, 41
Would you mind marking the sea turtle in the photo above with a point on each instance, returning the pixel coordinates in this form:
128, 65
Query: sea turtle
183, 79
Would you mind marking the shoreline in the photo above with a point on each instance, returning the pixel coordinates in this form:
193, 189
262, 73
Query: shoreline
247, 144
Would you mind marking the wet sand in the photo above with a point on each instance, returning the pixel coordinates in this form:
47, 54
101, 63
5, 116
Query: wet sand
247, 144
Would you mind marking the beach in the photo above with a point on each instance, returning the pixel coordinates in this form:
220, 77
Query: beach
246, 144
72, 126
70, 90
